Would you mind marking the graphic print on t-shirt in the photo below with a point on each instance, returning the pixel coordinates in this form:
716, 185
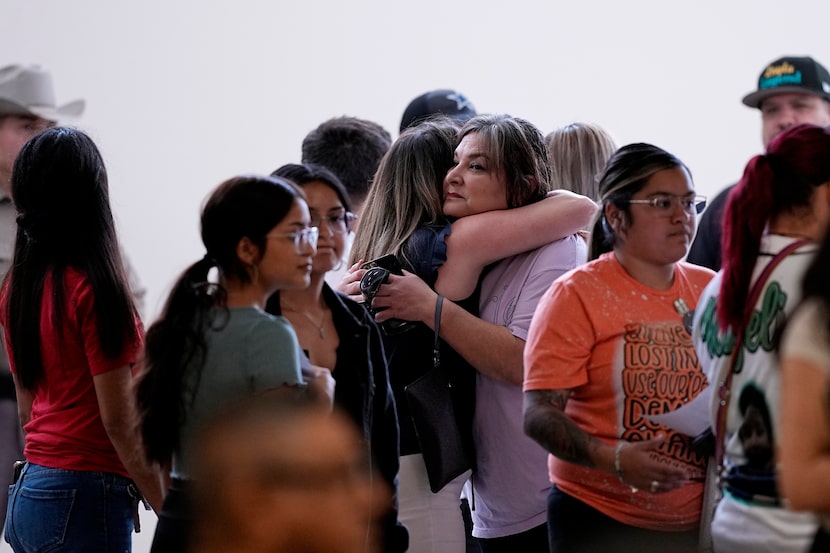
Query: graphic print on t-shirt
756, 435
660, 373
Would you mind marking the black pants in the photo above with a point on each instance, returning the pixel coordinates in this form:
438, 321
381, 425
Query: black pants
175, 521
534, 540
472, 545
822, 542
576, 527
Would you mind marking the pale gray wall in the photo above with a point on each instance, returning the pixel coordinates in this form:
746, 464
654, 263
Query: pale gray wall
185, 93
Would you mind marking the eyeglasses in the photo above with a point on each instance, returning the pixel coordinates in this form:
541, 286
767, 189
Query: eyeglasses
338, 224
302, 238
666, 204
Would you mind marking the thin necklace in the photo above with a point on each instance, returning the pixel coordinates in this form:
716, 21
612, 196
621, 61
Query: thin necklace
318, 326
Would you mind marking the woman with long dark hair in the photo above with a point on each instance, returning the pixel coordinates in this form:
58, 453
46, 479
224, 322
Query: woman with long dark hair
213, 343
73, 335
339, 336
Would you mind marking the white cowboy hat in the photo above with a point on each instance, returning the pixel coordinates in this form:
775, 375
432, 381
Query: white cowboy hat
28, 91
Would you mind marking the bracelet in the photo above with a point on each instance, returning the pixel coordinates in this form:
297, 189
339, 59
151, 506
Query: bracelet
617, 461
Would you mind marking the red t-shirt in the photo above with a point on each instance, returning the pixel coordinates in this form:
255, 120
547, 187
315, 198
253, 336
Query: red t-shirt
65, 429
622, 350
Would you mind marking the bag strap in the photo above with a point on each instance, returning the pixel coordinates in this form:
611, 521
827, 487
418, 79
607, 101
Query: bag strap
725, 389
436, 351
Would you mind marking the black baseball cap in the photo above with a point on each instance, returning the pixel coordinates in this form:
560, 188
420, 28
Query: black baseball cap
444, 101
791, 74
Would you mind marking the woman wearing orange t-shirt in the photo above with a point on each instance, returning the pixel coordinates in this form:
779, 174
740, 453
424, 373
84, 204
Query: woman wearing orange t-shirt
608, 349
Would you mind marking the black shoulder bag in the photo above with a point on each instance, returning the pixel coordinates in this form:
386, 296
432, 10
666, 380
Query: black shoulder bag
433, 414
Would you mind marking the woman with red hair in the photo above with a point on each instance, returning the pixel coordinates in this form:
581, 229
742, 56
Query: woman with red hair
773, 217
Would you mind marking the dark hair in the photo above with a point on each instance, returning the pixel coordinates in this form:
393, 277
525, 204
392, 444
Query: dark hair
517, 147
351, 148
302, 174
241, 207
59, 185
627, 172
783, 180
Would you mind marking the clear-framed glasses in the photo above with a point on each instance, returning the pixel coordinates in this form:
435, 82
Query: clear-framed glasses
666, 204
302, 238
338, 224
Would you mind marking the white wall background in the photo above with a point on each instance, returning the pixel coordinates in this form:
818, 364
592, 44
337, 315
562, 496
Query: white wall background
185, 93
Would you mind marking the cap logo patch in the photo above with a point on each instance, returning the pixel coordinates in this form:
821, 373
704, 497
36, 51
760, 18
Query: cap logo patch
780, 75
461, 102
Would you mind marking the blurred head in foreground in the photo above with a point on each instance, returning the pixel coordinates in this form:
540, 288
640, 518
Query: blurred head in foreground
277, 475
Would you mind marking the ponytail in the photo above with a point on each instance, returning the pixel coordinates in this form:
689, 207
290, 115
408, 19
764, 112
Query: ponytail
745, 216
602, 237
175, 343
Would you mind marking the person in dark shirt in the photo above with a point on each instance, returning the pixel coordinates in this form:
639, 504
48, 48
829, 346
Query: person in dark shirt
791, 90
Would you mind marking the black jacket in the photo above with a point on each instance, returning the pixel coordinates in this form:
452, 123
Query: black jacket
706, 248
363, 392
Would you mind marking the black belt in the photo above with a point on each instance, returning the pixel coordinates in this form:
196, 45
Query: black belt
760, 488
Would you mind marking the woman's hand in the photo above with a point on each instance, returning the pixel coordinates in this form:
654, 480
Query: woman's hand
120, 416
321, 385
406, 297
350, 282
641, 470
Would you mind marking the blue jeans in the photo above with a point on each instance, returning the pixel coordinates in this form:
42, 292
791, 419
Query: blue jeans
69, 511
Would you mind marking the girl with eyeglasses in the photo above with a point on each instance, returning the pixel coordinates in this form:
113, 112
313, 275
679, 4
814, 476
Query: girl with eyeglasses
608, 349
339, 336
213, 343
74, 336
773, 219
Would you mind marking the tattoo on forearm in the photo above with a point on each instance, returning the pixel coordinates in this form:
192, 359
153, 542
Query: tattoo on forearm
546, 422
